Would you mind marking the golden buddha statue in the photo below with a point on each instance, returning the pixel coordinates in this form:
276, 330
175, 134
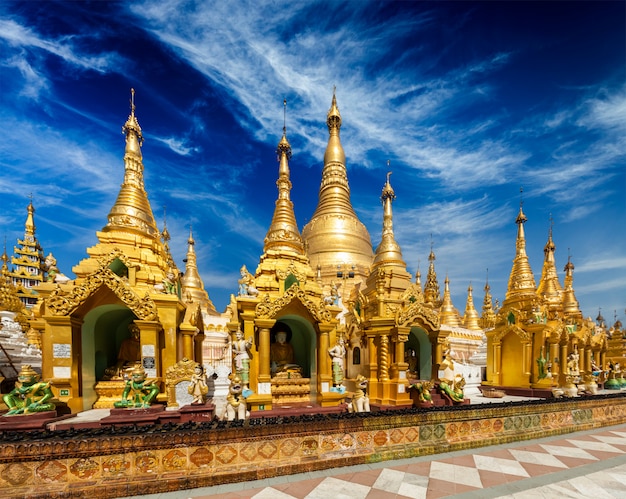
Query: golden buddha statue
282, 355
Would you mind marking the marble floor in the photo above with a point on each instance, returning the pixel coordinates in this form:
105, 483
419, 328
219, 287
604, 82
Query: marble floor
589, 464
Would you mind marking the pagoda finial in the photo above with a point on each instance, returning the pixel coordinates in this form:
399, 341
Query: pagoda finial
521, 281
431, 288
388, 251
132, 211
283, 233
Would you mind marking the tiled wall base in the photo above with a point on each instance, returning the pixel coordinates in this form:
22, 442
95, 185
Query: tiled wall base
113, 466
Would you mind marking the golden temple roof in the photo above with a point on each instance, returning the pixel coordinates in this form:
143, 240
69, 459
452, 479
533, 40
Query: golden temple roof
335, 236
283, 234
131, 211
191, 282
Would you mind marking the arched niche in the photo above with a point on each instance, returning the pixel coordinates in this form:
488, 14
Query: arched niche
304, 341
103, 331
419, 344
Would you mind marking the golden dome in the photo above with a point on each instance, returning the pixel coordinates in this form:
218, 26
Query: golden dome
335, 236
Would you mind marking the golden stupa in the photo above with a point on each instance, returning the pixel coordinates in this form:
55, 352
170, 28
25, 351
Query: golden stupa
336, 241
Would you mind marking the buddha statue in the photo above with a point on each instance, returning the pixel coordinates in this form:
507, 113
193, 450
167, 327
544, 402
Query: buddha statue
282, 355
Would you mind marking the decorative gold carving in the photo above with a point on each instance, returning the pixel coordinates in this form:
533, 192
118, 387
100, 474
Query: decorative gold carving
268, 308
417, 312
59, 303
524, 335
412, 294
183, 370
283, 274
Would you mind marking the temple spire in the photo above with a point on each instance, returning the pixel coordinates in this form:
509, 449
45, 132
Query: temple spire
283, 234
335, 235
131, 211
521, 280
488, 317
388, 251
549, 287
571, 308
431, 288
28, 262
470, 317
448, 314
191, 282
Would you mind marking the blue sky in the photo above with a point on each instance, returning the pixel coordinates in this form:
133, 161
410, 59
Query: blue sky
469, 101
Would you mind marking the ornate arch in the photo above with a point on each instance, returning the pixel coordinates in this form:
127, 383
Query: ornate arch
417, 312
512, 328
61, 304
269, 309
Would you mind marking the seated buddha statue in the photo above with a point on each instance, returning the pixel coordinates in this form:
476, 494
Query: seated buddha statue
282, 356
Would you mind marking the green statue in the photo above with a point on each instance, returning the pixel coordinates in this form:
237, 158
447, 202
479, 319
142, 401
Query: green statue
453, 388
138, 392
30, 394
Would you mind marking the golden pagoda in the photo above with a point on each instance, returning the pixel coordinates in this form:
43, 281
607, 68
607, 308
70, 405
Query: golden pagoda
28, 262
284, 296
128, 279
540, 340
191, 282
336, 241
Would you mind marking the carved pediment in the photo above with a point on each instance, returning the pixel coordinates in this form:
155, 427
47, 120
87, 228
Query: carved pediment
60, 303
417, 313
269, 309
512, 328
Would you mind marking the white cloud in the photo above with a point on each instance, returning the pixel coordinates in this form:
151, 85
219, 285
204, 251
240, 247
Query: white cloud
17, 35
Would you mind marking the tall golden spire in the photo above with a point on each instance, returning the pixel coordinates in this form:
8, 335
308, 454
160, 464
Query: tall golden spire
283, 234
431, 288
131, 211
335, 235
549, 287
488, 317
470, 317
448, 314
192, 285
571, 307
388, 251
521, 280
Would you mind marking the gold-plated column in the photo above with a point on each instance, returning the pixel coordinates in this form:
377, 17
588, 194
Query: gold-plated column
373, 356
264, 326
564, 359
383, 374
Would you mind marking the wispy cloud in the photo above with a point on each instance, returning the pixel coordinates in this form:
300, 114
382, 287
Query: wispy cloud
19, 36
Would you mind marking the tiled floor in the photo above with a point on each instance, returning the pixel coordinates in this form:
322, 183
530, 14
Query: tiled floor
589, 464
